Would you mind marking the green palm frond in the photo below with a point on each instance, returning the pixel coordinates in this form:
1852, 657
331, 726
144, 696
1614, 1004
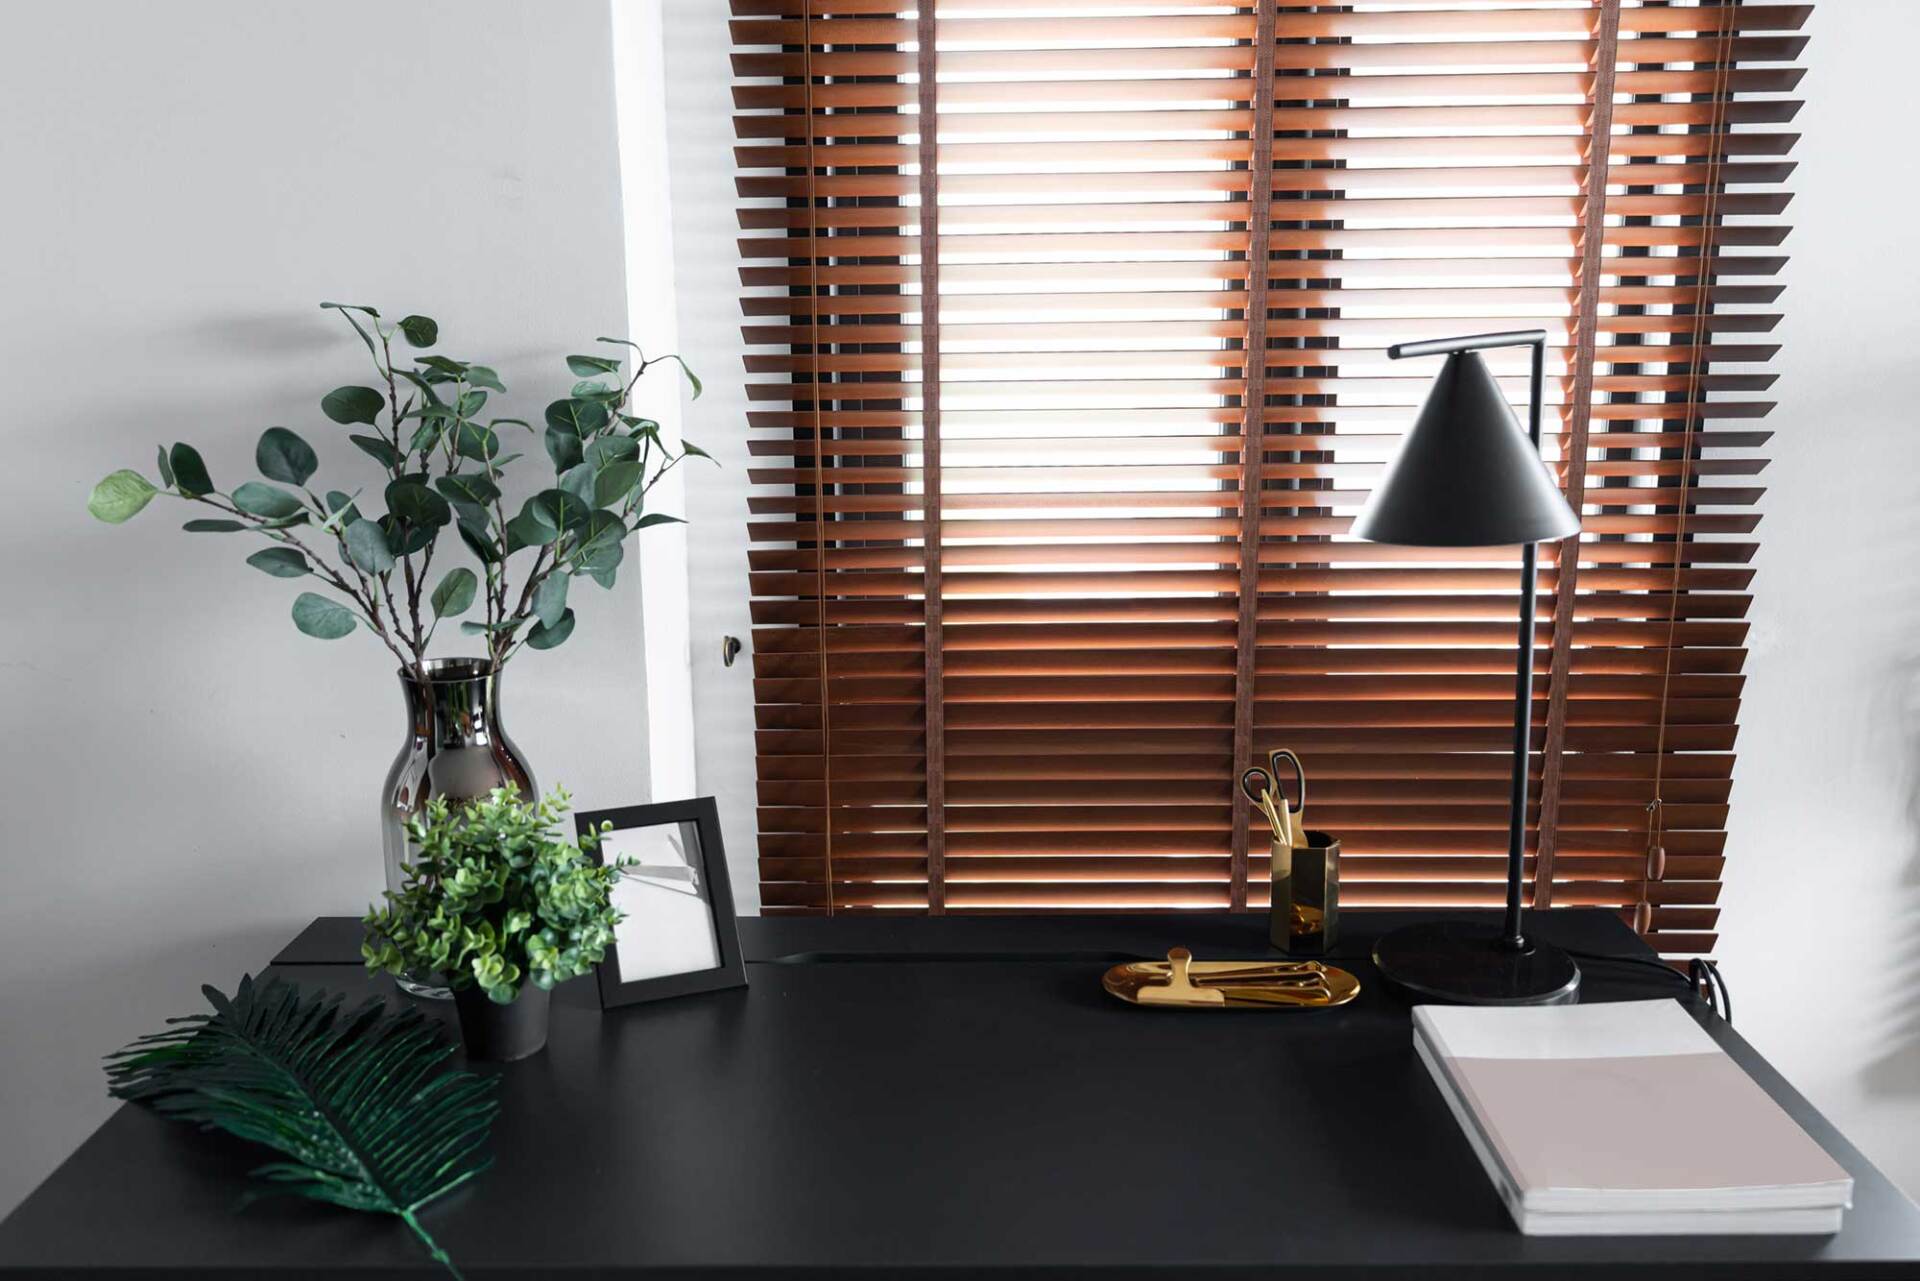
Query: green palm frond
360, 1102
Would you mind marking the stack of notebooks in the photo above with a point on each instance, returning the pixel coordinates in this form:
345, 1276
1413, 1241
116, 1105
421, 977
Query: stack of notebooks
1624, 1119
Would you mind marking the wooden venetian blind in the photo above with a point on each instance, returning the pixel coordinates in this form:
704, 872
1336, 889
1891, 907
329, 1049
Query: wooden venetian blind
1067, 323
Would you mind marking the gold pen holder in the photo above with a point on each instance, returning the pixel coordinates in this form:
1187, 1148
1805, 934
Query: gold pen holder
1304, 918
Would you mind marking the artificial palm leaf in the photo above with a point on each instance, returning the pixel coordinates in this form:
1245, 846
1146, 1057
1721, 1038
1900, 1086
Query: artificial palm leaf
360, 1102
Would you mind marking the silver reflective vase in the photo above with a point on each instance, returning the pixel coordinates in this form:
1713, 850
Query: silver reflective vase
456, 748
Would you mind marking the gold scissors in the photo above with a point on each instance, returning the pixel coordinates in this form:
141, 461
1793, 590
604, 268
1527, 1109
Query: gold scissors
1263, 785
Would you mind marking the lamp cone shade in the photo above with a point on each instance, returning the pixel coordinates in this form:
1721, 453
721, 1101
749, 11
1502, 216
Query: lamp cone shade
1466, 475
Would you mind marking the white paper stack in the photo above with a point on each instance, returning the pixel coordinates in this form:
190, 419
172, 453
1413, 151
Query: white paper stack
1624, 1119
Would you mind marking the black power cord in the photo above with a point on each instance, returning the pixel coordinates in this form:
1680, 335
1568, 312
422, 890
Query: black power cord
1704, 974
1702, 979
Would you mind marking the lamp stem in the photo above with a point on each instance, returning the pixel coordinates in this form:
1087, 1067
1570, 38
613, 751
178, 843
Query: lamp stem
1512, 937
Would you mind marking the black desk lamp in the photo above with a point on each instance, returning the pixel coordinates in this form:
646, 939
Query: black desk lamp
1466, 477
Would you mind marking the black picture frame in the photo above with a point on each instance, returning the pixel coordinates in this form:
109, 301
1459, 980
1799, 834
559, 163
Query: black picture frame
704, 816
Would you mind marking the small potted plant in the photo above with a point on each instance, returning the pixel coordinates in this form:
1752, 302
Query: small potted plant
501, 905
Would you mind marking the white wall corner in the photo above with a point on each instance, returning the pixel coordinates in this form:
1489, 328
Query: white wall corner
639, 64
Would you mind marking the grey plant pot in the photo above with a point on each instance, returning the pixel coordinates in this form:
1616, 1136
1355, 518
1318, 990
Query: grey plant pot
495, 1033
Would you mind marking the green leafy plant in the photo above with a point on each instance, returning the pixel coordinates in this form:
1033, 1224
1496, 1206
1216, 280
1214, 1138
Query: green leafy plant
495, 897
441, 453
361, 1102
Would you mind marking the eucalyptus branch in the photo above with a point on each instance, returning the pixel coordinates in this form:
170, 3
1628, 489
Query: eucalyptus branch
280, 534
369, 611
605, 463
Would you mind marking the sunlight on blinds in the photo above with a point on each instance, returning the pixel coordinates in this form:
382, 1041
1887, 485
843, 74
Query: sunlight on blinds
1143, 574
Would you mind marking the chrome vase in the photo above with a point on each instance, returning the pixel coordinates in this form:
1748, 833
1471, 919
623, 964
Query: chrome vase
456, 747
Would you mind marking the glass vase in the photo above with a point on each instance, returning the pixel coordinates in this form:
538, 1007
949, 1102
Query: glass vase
456, 747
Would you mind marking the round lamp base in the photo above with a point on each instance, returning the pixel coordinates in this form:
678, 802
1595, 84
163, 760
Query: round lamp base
1462, 963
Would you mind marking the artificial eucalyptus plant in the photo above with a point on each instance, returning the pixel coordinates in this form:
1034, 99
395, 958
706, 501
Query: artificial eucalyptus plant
443, 461
495, 897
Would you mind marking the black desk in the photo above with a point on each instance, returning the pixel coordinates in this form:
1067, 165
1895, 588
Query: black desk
948, 1098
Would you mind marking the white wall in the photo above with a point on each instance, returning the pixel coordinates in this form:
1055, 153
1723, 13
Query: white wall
1821, 926
186, 779
1821, 923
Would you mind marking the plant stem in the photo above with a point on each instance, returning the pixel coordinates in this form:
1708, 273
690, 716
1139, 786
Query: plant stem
534, 578
440, 1256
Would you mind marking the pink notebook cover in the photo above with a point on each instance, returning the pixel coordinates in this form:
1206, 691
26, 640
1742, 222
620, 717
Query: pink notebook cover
1625, 1104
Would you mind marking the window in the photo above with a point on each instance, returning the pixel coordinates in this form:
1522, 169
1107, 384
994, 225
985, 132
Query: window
1042, 558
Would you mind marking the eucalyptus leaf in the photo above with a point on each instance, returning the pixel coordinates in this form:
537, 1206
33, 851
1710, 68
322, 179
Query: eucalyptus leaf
556, 510
604, 577
692, 378
581, 417
657, 518
281, 455
407, 539
454, 596
526, 530
213, 527
419, 331
120, 497
545, 637
426, 436
482, 376
612, 449
347, 309
321, 618
468, 487
472, 517
482, 548
450, 370
471, 403
379, 450
367, 547
688, 447
471, 440
511, 539
348, 405
414, 504
563, 448
281, 562
614, 482
588, 366
578, 481
550, 599
599, 544
166, 469
189, 471
257, 499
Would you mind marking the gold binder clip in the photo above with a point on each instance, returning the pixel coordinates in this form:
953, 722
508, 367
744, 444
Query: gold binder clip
1179, 988
1182, 981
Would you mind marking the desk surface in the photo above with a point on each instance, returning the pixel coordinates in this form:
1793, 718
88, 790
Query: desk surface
951, 1097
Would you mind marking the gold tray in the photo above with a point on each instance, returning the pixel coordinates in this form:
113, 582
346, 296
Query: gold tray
1184, 983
